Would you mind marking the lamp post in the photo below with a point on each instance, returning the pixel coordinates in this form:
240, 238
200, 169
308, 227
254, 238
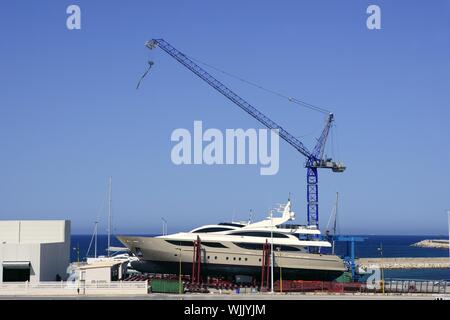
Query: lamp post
179, 273
381, 267
448, 234
77, 250
271, 251
109, 215
281, 271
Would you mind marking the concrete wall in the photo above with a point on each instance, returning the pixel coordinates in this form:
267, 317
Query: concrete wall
97, 275
9, 231
34, 231
56, 289
55, 258
46, 244
93, 273
22, 252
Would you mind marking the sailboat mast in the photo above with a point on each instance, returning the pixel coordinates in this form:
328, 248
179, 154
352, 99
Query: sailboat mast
448, 212
335, 221
109, 214
336, 213
95, 239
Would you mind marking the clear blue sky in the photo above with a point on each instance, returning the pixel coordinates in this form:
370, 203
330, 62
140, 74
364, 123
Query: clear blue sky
70, 115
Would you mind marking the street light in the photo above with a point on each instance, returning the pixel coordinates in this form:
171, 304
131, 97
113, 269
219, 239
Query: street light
448, 233
271, 251
281, 271
77, 249
179, 277
381, 267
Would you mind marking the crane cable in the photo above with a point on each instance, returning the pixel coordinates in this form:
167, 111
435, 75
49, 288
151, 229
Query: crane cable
291, 99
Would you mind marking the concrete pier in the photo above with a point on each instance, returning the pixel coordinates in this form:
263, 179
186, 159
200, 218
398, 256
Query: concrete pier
405, 263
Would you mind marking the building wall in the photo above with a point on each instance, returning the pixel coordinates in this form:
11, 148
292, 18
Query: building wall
97, 275
46, 244
22, 252
9, 231
102, 273
55, 258
34, 231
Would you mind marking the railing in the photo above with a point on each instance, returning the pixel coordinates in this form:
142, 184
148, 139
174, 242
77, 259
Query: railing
321, 286
73, 288
391, 286
417, 286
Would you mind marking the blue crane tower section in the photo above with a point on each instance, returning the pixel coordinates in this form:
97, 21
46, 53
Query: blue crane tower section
314, 160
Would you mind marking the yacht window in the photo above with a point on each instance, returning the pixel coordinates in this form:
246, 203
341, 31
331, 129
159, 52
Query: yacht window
251, 246
213, 244
181, 243
212, 229
290, 248
238, 225
263, 234
259, 246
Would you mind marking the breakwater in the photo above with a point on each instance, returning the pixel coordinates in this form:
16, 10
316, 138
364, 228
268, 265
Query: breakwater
405, 263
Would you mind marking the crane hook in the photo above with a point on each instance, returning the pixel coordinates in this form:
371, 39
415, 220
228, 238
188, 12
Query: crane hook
150, 64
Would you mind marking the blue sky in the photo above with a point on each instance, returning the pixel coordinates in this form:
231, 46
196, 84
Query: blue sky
70, 115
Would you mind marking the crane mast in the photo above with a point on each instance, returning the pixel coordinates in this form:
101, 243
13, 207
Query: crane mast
314, 159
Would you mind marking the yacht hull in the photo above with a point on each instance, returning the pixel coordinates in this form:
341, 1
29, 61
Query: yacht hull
223, 270
156, 255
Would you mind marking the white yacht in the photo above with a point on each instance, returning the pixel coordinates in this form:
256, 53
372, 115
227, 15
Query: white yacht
235, 249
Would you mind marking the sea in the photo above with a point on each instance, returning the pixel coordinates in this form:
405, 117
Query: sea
393, 246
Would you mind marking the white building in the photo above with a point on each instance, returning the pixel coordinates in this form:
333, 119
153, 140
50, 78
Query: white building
102, 271
34, 250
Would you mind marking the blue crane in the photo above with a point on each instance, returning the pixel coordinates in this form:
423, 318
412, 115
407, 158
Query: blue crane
314, 160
